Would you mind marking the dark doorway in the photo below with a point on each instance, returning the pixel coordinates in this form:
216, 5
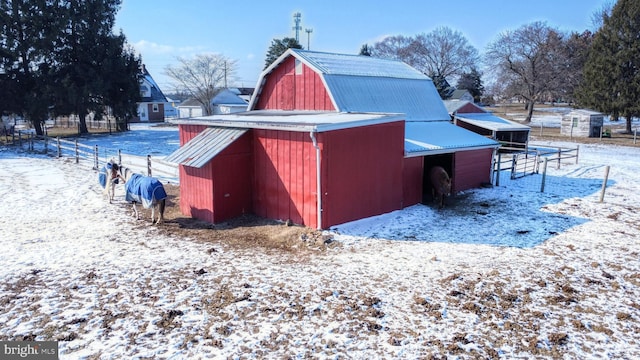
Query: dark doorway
444, 160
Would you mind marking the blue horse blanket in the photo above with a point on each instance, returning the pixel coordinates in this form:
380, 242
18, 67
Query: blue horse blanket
145, 190
104, 172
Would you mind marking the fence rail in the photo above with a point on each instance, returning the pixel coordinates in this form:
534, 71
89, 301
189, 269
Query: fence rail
58, 147
527, 162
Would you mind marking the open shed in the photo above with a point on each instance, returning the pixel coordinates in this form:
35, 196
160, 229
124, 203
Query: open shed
582, 123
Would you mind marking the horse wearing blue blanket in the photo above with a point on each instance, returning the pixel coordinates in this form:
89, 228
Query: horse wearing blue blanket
144, 190
108, 177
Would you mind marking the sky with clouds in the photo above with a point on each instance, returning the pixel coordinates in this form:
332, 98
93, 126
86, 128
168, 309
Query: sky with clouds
163, 30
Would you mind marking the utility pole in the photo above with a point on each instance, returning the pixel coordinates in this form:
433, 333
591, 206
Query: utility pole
296, 19
309, 31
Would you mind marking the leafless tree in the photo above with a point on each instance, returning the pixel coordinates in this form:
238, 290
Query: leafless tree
529, 61
202, 77
393, 47
443, 52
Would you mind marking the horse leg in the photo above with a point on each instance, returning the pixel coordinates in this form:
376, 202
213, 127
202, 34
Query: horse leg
135, 211
161, 206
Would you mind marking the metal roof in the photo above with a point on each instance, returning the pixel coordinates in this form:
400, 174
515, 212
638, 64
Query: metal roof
359, 83
441, 137
357, 65
301, 120
205, 146
491, 122
417, 98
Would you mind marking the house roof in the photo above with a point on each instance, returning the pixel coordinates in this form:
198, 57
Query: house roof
358, 83
156, 93
584, 112
302, 120
459, 93
441, 137
454, 105
491, 122
228, 97
205, 146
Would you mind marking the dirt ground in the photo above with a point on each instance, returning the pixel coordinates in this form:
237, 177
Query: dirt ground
244, 232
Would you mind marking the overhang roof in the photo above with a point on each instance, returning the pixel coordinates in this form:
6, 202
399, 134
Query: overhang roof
205, 146
491, 122
441, 137
316, 121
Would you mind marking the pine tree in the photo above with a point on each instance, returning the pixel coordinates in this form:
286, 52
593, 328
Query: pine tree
611, 77
472, 82
278, 47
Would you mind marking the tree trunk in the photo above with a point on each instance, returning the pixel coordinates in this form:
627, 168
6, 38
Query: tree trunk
82, 122
628, 127
37, 125
529, 112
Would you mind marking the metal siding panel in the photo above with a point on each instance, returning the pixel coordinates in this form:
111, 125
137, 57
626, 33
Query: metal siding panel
196, 192
472, 169
205, 146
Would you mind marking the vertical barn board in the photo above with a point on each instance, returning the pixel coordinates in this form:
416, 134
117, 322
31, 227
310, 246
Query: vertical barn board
363, 168
412, 181
472, 169
196, 192
232, 171
274, 194
285, 90
188, 132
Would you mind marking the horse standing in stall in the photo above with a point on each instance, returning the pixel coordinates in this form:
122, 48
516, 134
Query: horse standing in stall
440, 184
145, 190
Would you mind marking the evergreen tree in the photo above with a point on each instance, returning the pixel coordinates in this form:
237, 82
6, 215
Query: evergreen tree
442, 85
472, 82
365, 50
611, 78
278, 47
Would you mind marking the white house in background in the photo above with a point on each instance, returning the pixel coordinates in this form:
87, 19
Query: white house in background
462, 95
153, 102
227, 101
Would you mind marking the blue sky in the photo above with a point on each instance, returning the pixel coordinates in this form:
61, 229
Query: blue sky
162, 30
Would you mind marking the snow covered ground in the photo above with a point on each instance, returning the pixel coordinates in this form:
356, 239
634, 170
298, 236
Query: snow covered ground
501, 272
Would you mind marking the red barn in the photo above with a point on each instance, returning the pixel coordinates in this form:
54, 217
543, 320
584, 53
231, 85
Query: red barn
328, 138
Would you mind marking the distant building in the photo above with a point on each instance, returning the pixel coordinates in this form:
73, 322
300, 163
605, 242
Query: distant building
581, 122
461, 95
226, 101
151, 107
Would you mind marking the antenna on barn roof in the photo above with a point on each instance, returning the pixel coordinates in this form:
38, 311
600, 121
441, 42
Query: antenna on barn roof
296, 19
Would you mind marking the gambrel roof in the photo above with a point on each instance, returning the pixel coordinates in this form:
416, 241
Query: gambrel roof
357, 83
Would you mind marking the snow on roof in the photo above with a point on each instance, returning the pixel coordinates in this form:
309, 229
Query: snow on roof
317, 121
439, 137
228, 97
491, 122
357, 65
584, 112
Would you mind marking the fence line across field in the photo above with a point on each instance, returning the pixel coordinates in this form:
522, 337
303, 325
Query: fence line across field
96, 155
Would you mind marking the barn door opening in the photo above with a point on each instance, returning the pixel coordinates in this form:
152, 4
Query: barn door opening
444, 160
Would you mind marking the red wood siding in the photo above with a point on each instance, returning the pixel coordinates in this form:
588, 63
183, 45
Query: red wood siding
188, 132
196, 192
285, 176
362, 172
412, 181
232, 172
470, 108
286, 90
472, 169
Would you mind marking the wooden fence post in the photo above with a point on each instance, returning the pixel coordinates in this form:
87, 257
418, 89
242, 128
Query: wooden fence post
577, 153
498, 170
604, 183
119, 157
95, 157
77, 153
148, 165
559, 156
544, 174
514, 163
59, 148
46, 144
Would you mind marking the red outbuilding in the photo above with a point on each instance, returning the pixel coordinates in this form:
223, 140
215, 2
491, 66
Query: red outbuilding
328, 138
